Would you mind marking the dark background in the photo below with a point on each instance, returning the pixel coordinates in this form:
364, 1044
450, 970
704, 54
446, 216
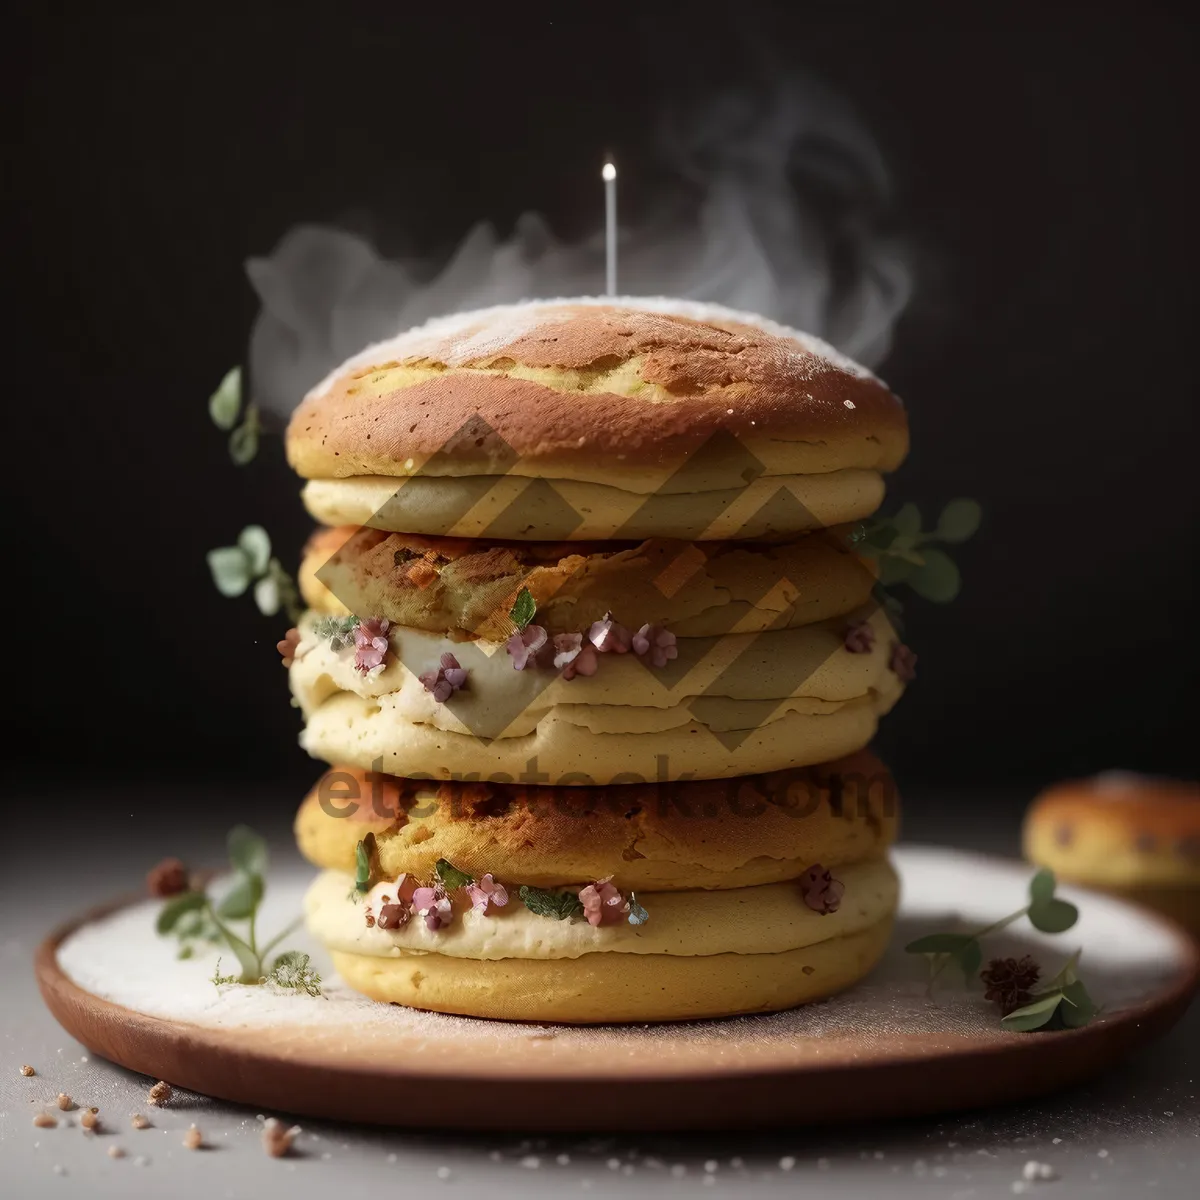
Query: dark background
1042, 159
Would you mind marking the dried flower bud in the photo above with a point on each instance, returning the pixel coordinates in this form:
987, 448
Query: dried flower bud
486, 894
277, 1138
1008, 982
523, 647
160, 1093
903, 663
655, 643
602, 903
822, 893
371, 644
859, 638
610, 637
449, 677
169, 878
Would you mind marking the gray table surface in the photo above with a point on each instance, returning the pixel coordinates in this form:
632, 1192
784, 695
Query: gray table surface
1135, 1131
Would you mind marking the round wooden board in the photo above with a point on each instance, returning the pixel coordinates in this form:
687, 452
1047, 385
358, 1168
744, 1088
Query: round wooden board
877, 1052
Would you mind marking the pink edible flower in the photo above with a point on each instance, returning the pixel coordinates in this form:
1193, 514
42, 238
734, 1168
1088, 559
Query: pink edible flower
371, 644
574, 656
487, 894
903, 662
609, 637
822, 893
655, 642
859, 638
524, 645
446, 679
433, 905
602, 903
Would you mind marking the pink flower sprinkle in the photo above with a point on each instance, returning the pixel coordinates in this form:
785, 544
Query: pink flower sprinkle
566, 647
371, 644
447, 679
585, 662
609, 637
859, 638
602, 903
486, 894
433, 905
903, 662
656, 643
822, 893
523, 646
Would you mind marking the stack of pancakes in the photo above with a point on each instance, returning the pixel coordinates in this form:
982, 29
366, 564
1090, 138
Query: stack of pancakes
594, 663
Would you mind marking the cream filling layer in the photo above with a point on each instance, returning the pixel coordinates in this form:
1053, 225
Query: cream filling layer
512, 506
735, 682
767, 919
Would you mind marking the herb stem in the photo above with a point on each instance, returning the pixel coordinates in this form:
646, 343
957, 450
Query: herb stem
1003, 923
281, 935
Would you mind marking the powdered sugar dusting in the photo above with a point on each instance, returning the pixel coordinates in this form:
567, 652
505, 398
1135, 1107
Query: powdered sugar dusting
487, 331
1126, 957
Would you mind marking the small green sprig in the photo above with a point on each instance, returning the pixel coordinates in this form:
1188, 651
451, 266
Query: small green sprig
241, 903
908, 555
559, 905
337, 631
293, 971
235, 568
224, 405
1065, 1004
451, 877
1047, 913
524, 609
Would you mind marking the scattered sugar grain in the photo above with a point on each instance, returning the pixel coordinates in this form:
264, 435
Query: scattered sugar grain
562, 1159
115, 1152
193, 1139
159, 1094
787, 1162
679, 1170
45, 1121
1034, 1170
64, 1101
139, 1122
530, 1162
711, 1165
444, 1173
90, 1120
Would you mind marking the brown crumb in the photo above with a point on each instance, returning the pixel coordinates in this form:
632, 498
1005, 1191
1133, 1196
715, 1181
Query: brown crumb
64, 1101
168, 878
139, 1122
160, 1093
193, 1139
45, 1121
115, 1152
27, 1070
277, 1139
90, 1120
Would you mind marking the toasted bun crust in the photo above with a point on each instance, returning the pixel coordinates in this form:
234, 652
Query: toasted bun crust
1119, 830
667, 837
602, 988
457, 584
611, 392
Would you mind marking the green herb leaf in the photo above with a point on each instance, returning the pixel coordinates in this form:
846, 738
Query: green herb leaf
940, 943
1053, 916
524, 608
230, 567
243, 899
225, 403
243, 441
559, 905
293, 971
219, 980
970, 959
1041, 887
1034, 1015
451, 876
247, 850
907, 522
894, 570
937, 578
364, 860
959, 520
247, 959
186, 951
266, 596
256, 543
338, 631
1078, 1008
174, 909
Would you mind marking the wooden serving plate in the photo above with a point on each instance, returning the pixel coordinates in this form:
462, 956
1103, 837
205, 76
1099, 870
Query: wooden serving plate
883, 1049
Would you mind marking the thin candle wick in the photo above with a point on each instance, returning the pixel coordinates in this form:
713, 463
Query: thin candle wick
609, 175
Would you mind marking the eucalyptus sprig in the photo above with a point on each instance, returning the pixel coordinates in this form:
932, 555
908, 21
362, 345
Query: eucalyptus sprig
235, 568
1047, 913
240, 904
224, 405
907, 554
1065, 1004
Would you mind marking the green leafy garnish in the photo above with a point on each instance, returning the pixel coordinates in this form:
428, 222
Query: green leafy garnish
194, 915
337, 631
907, 555
451, 876
226, 402
524, 609
219, 980
235, 568
243, 441
292, 971
559, 905
1047, 913
365, 857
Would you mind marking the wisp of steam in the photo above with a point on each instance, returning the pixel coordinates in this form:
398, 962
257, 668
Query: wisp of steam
778, 212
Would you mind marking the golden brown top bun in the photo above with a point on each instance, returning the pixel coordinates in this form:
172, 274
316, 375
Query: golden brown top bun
1118, 829
608, 391
468, 586
665, 837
